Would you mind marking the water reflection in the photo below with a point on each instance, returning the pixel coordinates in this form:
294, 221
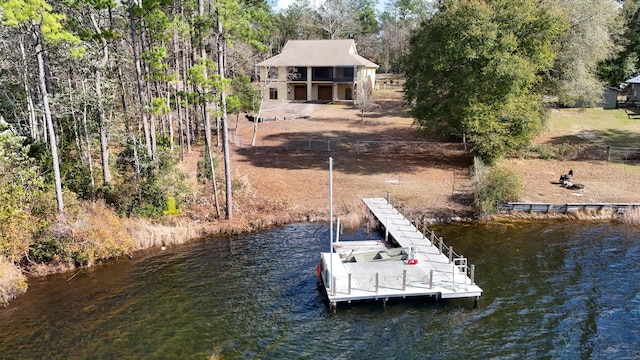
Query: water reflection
553, 290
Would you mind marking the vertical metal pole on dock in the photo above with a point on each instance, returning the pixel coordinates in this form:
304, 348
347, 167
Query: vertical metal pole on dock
440, 247
450, 254
404, 279
376, 283
386, 229
331, 219
349, 289
424, 227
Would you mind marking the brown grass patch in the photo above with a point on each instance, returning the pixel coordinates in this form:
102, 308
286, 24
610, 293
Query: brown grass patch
631, 217
12, 281
147, 235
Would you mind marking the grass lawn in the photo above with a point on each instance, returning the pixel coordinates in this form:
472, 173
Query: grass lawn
617, 127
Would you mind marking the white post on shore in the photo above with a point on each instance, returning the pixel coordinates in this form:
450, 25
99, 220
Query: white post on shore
331, 221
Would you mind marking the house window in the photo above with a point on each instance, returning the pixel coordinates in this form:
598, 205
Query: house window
272, 73
297, 74
273, 94
322, 73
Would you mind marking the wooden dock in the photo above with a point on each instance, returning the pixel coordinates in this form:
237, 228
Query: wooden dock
427, 268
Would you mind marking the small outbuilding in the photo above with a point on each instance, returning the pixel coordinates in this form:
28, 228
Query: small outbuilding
610, 98
634, 90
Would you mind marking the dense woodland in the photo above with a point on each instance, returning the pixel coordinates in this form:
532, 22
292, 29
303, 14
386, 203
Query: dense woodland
99, 99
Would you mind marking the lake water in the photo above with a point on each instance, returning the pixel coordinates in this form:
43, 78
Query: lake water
551, 290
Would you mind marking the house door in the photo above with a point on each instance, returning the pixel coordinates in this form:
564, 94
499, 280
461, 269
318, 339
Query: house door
300, 92
348, 94
325, 92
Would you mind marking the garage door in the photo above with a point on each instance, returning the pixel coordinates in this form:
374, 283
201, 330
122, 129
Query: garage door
325, 93
300, 92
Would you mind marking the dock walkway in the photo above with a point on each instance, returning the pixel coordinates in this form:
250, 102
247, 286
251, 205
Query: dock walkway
435, 274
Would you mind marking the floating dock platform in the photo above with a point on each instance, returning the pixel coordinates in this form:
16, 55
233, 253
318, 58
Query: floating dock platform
408, 263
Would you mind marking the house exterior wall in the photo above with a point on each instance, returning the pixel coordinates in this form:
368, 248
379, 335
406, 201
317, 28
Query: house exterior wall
286, 87
634, 93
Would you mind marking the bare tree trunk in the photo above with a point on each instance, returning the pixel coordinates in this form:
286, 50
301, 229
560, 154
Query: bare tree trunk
187, 119
207, 122
141, 96
76, 133
225, 128
33, 120
47, 113
177, 96
170, 120
104, 140
87, 139
102, 121
152, 119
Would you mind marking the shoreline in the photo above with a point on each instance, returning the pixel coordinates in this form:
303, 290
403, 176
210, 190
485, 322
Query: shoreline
14, 279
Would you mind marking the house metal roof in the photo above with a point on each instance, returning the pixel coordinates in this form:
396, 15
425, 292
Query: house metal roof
635, 80
318, 53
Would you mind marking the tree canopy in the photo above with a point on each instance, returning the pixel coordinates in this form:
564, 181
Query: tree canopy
475, 68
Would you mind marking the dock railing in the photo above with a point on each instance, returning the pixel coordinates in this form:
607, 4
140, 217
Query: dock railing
421, 226
377, 282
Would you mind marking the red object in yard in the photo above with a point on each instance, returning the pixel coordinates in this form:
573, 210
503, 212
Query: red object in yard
412, 261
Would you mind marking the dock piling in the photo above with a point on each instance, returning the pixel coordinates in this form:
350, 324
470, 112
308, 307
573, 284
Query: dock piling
473, 274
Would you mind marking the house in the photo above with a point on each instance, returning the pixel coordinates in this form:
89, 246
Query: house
316, 70
634, 90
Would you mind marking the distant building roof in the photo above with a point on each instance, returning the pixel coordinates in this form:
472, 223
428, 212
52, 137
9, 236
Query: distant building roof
635, 80
318, 53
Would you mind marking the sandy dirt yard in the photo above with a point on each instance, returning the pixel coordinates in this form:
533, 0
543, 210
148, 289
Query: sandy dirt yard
289, 164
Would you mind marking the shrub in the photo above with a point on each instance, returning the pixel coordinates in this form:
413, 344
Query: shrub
172, 208
499, 185
92, 233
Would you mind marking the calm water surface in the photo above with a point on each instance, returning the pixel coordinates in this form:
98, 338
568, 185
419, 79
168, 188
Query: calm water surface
552, 291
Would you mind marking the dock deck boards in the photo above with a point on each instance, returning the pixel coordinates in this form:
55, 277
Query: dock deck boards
357, 280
